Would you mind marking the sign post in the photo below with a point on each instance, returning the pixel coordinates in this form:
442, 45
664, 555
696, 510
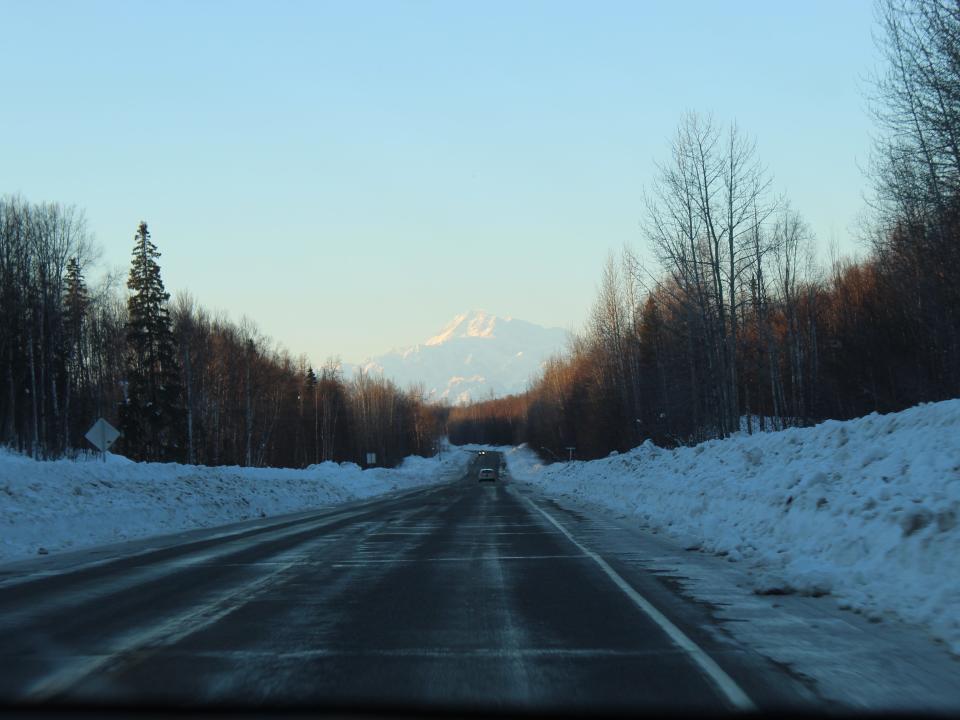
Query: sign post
102, 435
570, 449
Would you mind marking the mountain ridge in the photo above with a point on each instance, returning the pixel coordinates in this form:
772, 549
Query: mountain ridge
474, 356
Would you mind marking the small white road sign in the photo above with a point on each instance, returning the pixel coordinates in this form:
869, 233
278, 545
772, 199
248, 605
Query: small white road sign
371, 458
102, 435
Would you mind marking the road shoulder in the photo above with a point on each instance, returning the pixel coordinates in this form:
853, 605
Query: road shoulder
842, 658
88, 557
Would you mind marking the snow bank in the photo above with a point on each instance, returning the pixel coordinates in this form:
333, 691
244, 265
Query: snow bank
866, 510
70, 504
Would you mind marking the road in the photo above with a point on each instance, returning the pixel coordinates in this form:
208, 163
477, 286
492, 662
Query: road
464, 595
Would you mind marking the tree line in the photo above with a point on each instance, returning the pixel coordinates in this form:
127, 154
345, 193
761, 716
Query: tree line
739, 325
181, 383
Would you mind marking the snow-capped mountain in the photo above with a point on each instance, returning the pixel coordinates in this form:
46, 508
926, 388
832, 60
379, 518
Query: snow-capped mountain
475, 355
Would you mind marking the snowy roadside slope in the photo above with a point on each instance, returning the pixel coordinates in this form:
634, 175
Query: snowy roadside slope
866, 510
72, 504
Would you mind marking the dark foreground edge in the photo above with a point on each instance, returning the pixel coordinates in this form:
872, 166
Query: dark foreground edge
57, 711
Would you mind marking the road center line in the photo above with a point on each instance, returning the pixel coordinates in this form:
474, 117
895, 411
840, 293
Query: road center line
723, 682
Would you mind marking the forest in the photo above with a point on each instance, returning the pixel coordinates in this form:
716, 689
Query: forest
739, 324
181, 383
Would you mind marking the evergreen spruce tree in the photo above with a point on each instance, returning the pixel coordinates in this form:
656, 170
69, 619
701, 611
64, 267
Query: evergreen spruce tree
76, 302
310, 391
151, 418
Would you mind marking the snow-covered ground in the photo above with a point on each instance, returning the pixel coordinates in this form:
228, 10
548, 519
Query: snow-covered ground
866, 510
60, 505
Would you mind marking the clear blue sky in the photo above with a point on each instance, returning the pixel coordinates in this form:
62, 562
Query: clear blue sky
351, 175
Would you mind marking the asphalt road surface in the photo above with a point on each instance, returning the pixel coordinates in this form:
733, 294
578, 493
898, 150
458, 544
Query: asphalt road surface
465, 595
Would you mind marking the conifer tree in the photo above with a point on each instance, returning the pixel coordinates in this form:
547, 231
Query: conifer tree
151, 416
76, 303
311, 391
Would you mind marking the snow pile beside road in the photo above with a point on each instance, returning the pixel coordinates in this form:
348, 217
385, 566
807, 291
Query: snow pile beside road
71, 504
866, 510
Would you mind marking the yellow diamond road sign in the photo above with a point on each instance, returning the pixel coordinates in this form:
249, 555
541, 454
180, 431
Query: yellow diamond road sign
102, 435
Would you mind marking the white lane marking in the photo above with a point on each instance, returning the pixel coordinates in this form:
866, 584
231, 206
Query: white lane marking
265, 530
163, 634
88, 590
115, 551
723, 682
